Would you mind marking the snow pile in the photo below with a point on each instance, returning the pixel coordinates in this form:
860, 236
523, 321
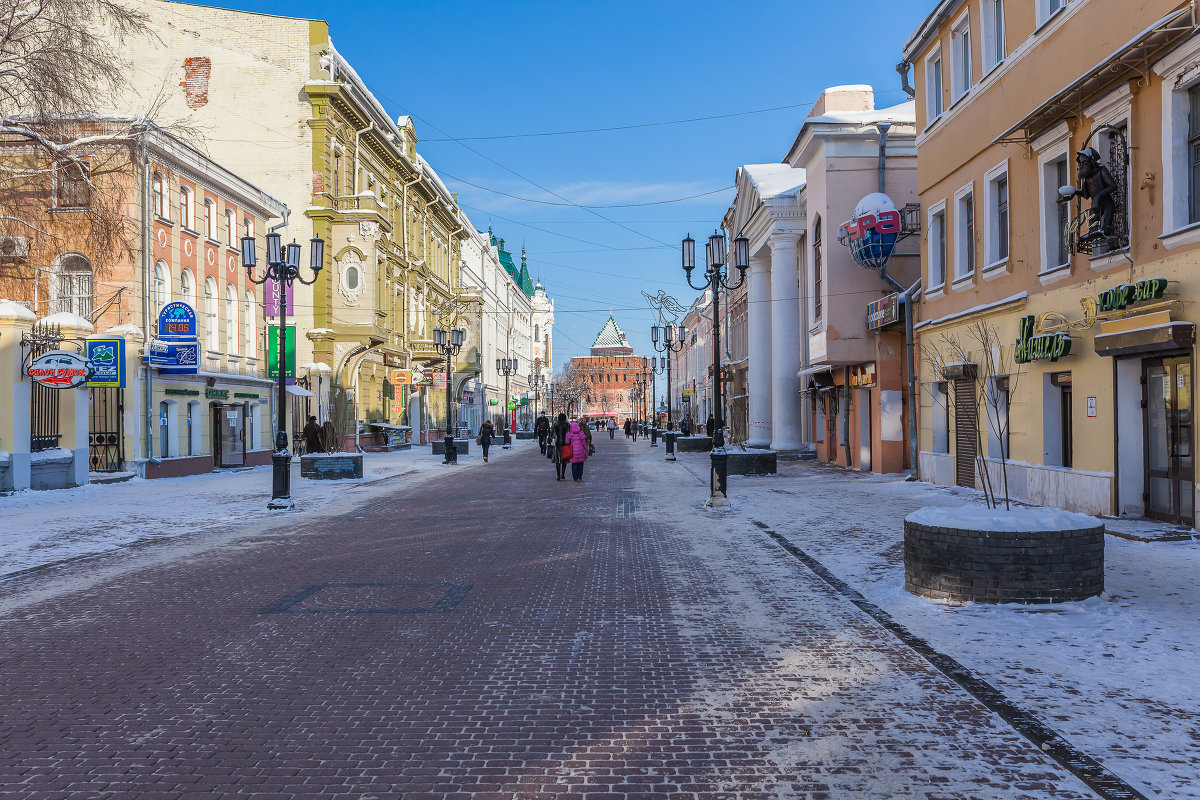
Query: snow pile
1018, 520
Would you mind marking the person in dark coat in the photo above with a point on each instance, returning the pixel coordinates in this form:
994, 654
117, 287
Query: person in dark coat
628, 427
487, 434
558, 434
542, 428
314, 437
710, 427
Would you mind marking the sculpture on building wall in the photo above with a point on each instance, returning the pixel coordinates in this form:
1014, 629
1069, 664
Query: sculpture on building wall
1097, 184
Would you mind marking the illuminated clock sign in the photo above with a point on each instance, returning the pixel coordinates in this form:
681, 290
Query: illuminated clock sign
177, 321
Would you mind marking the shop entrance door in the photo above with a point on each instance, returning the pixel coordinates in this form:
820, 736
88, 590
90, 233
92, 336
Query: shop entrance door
1170, 466
229, 424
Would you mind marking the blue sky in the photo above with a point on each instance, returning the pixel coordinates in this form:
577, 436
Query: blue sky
476, 69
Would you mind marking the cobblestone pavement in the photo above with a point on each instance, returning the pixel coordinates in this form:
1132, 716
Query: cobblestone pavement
490, 634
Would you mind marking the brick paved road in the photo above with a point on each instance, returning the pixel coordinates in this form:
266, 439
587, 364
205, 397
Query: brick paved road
615, 642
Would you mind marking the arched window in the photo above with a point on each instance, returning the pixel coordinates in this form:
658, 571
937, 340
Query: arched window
187, 288
160, 195
817, 270
248, 226
210, 218
160, 288
212, 338
231, 227
231, 315
251, 348
187, 208
71, 285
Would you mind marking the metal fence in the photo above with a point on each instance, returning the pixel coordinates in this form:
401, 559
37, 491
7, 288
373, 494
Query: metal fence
44, 430
106, 445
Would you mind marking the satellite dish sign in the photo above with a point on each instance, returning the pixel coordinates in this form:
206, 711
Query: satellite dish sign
872, 232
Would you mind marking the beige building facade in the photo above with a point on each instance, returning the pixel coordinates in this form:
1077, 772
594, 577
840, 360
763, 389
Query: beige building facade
1061, 215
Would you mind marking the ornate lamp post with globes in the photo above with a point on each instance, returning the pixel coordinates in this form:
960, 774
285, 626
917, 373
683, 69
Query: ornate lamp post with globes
449, 346
716, 275
672, 342
508, 367
654, 366
286, 270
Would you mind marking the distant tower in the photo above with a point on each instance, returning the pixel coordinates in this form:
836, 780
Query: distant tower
611, 341
543, 327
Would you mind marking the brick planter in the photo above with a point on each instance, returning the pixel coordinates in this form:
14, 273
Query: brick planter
332, 467
1053, 564
751, 462
693, 444
438, 446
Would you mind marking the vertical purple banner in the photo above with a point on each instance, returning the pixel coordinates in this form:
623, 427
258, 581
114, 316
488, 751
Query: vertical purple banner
271, 299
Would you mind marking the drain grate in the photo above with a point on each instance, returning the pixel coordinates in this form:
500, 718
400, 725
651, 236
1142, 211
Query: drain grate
627, 507
372, 598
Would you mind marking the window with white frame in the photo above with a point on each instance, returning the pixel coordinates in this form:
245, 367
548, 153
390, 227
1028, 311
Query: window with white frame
187, 288
212, 337
210, 218
71, 285
187, 208
231, 318
231, 227
1055, 173
248, 227
964, 233
816, 271
939, 401
1048, 8
251, 327
991, 24
159, 184
1193, 154
933, 86
960, 58
937, 245
996, 226
160, 289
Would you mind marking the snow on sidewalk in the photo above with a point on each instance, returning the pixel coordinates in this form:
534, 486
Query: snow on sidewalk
1115, 675
49, 527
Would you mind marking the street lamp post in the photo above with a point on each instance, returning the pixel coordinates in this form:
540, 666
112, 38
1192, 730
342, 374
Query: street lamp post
448, 346
639, 391
507, 366
716, 276
671, 343
285, 270
654, 367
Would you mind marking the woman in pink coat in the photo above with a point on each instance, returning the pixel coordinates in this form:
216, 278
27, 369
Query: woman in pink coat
579, 450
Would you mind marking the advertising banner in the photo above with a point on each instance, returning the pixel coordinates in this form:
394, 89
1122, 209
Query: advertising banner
439, 380
273, 352
402, 377
271, 299
60, 369
177, 321
108, 362
174, 358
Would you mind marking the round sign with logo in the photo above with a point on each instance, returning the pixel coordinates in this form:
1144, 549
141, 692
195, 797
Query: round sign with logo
872, 231
60, 369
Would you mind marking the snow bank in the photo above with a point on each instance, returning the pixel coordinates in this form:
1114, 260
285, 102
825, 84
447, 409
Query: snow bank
1015, 521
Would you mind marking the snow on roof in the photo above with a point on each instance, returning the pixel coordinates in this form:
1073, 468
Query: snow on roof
774, 180
904, 112
610, 335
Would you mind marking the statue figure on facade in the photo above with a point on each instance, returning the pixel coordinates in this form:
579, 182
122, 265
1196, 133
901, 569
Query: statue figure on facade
1097, 184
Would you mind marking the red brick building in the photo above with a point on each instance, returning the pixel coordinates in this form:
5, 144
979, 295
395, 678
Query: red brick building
608, 372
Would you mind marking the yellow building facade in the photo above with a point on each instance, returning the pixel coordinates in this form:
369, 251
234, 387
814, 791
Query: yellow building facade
1061, 216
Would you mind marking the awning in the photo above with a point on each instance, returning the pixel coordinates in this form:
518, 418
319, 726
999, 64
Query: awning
299, 391
1131, 60
1152, 339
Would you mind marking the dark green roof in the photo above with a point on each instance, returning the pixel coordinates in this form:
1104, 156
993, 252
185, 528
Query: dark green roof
520, 276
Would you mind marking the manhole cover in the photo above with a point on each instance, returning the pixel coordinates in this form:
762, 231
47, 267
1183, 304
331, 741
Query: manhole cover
372, 598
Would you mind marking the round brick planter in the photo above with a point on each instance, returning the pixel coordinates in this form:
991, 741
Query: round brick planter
1044, 557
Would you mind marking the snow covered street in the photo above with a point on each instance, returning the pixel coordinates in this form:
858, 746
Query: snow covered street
1115, 675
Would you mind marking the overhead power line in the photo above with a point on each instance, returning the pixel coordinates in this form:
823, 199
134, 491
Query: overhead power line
574, 205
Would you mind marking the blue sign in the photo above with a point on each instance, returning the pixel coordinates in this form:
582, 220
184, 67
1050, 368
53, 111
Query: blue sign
174, 358
177, 321
108, 362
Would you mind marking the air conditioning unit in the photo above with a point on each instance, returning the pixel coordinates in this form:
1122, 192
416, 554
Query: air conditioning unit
14, 247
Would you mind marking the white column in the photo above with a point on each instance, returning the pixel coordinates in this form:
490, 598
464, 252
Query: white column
758, 296
785, 353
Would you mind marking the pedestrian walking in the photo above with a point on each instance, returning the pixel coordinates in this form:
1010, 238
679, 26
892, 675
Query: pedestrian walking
685, 426
487, 433
710, 427
558, 433
314, 437
628, 427
542, 429
577, 440
612, 428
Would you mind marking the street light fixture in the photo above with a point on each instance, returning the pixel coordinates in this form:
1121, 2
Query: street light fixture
285, 272
448, 344
655, 367
672, 337
716, 277
508, 367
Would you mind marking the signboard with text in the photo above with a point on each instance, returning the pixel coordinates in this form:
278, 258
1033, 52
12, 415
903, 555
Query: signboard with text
177, 321
59, 369
174, 358
271, 299
273, 352
107, 357
883, 312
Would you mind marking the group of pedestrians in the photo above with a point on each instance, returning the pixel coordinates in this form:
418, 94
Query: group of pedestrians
564, 443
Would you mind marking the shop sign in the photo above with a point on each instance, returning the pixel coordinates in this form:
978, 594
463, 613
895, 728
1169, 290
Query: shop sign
493, 402
1044, 347
177, 321
402, 377
273, 352
1127, 294
174, 358
107, 357
60, 369
392, 360
883, 312
420, 377
872, 231
271, 299
246, 395
863, 375
216, 394
439, 380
